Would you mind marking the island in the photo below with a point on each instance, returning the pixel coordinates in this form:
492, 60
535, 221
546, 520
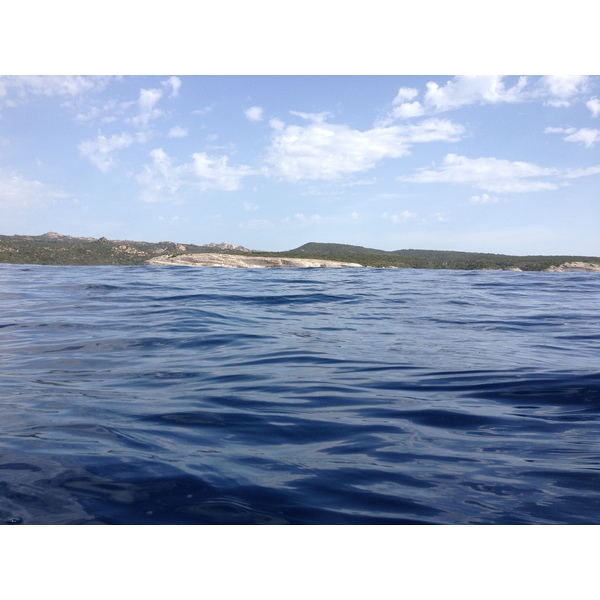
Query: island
56, 249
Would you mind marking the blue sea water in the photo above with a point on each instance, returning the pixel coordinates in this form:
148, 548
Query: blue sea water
178, 395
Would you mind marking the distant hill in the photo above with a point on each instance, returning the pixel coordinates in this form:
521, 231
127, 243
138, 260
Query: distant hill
431, 259
56, 249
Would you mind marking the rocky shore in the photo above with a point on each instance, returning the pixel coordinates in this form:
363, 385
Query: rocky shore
56, 249
575, 266
214, 259
210, 259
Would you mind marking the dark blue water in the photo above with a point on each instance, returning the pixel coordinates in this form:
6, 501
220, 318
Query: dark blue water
176, 395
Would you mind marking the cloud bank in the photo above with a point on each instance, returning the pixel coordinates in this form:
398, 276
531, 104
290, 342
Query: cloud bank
465, 90
163, 181
322, 150
489, 174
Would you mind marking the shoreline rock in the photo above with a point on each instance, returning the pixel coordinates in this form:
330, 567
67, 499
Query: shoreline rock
211, 259
575, 266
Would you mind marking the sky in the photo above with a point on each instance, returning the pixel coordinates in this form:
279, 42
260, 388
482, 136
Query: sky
270, 125
504, 164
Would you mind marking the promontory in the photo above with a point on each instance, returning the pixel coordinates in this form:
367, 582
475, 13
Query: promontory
249, 262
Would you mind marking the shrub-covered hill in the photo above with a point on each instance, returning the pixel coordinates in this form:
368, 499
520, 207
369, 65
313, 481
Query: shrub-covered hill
56, 249
431, 259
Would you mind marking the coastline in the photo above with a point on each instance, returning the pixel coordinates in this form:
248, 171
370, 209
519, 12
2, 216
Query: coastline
210, 259
56, 249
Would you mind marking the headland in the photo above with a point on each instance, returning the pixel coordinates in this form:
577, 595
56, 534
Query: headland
56, 249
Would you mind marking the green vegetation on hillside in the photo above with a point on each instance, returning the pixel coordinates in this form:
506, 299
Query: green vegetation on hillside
430, 259
55, 249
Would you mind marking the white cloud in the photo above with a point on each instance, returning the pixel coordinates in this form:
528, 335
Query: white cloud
459, 91
431, 130
106, 113
585, 172
202, 111
397, 218
174, 83
559, 89
214, 172
18, 192
484, 199
594, 105
163, 181
464, 90
91, 114
588, 137
489, 174
147, 105
142, 111
51, 85
407, 110
248, 206
254, 113
160, 180
277, 124
177, 132
558, 129
405, 94
100, 151
315, 117
323, 150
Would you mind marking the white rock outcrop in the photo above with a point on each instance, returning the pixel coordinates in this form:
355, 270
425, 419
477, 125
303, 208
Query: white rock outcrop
575, 266
210, 259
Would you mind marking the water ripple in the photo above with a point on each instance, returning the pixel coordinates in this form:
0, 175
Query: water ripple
203, 396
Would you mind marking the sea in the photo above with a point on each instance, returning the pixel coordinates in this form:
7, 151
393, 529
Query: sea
194, 396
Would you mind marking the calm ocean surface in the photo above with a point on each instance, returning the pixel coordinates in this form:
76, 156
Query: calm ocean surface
177, 395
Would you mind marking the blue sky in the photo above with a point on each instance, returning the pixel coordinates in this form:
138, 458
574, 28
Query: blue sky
271, 124
477, 163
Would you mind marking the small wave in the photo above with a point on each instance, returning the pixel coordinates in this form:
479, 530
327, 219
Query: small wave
376, 396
